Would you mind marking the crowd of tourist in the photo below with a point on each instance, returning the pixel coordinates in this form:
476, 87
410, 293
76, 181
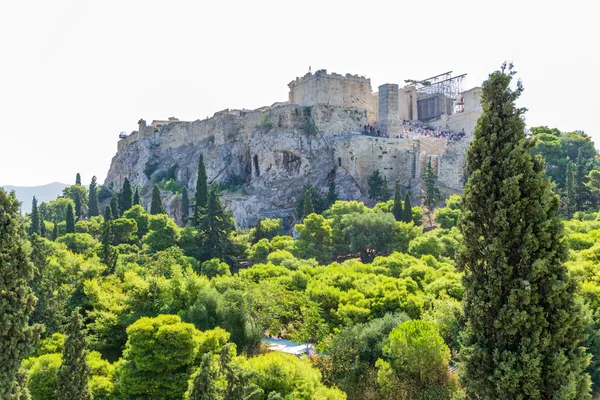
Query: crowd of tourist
413, 129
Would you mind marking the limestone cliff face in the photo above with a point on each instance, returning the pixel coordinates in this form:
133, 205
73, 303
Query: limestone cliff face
267, 158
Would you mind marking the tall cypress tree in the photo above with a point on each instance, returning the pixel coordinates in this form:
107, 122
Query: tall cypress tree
125, 196
204, 385
332, 195
108, 254
378, 187
307, 206
55, 230
185, 206
78, 179
397, 208
42, 228
156, 207
524, 324
93, 207
201, 186
136, 197
570, 189
16, 297
70, 220
215, 227
432, 191
35, 218
407, 213
114, 206
73, 374
580, 190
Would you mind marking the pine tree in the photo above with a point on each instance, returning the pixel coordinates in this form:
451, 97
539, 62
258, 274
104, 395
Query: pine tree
201, 186
407, 212
108, 254
397, 208
581, 193
73, 374
78, 179
185, 206
307, 205
70, 220
205, 382
114, 206
55, 230
378, 187
93, 207
156, 207
215, 228
35, 218
16, 297
432, 191
332, 195
136, 197
524, 324
125, 196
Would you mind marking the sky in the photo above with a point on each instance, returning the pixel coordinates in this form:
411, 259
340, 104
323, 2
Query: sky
73, 74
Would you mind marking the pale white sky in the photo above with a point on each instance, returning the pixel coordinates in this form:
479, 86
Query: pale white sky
73, 74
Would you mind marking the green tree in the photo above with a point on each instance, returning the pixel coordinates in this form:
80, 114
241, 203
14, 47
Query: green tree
418, 363
125, 196
397, 208
524, 323
156, 207
378, 187
314, 239
34, 228
185, 206
114, 206
432, 192
79, 195
407, 215
594, 184
93, 207
70, 220
332, 194
569, 192
307, 205
43, 231
580, 179
55, 230
136, 197
215, 228
73, 375
205, 383
108, 254
78, 179
16, 297
201, 194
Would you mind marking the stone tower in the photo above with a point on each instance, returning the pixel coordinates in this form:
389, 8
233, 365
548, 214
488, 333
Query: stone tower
389, 110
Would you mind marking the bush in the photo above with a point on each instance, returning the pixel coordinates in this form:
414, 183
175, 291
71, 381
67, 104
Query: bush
82, 243
214, 267
427, 244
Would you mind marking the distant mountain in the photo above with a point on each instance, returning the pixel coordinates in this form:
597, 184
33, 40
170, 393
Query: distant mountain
43, 193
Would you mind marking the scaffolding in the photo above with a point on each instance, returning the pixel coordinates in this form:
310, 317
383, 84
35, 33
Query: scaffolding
440, 94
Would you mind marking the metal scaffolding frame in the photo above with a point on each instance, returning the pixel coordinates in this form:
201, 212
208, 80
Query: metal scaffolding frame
445, 87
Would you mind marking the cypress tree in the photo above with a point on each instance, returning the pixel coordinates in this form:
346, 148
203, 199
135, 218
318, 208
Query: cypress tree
581, 193
407, 212
332, 195
307, 205
259, 232
108, 254
201, 186
432, 192
524, 324
114, 206
16, 296
93, 207
378, 187
70, 220
156, 207
204, 385
125, 196
55, 230
73, 374
185, 206
136, 197
78, 179
42, 228
397, 208
570, 189
215, 227
35, 218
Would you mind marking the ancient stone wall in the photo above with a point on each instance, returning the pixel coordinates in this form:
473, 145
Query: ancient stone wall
389, 110
331, 89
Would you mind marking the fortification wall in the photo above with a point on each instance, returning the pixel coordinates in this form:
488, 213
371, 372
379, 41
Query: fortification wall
331, 89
